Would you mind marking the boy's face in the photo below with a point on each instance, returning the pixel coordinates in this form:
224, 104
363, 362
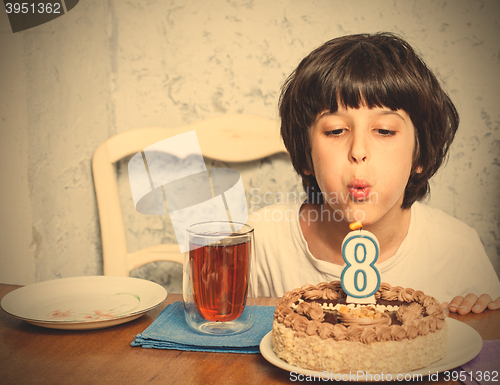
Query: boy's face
362, 159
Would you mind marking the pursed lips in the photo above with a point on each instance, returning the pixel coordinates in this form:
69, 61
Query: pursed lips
359, 189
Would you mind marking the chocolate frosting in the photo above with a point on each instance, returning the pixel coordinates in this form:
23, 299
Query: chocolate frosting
418, 314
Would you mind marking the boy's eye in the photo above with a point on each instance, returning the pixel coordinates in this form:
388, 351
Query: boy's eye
385, 132
335, 132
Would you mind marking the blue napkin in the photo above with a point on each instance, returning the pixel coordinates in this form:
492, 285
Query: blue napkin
170, 331
485, 367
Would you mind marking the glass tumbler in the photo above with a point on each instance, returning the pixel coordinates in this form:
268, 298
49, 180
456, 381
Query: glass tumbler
219, 296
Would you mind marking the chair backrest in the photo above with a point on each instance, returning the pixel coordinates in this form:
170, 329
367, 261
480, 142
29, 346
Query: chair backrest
229, 138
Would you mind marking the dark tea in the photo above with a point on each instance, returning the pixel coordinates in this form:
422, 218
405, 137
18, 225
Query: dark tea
219, 275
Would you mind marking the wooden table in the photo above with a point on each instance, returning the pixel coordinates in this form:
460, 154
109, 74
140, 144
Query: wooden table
34, 355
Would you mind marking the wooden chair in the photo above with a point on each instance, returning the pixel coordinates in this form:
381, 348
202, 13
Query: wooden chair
229, 138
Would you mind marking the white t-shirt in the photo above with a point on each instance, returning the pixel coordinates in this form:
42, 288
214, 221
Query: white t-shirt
440, 255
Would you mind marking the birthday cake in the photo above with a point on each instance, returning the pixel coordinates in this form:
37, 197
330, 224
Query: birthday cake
316, 328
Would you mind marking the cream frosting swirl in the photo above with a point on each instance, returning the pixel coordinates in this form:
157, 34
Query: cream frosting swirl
354, 333
312, 327
368, 335
299, 323
326, 330
339, 332
316, 312
313, 294
383, 333
408, 314
398, 332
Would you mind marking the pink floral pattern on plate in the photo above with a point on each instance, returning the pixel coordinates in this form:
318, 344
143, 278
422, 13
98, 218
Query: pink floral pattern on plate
99, 314
71, 315
59, 314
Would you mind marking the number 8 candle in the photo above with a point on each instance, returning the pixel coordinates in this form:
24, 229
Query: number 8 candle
360, 278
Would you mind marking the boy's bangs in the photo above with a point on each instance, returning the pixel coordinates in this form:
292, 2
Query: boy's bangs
356, 95
371, 81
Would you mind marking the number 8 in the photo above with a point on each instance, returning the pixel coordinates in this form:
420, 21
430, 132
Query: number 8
360, 278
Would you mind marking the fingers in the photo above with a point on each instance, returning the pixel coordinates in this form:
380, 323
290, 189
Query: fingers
455, 303
481, 304
472, 303
463, 305
494, 305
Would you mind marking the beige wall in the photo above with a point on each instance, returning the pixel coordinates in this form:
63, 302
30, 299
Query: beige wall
16, 251
110, 66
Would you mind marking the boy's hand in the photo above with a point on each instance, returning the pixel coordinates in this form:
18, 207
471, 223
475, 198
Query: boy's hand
463, 305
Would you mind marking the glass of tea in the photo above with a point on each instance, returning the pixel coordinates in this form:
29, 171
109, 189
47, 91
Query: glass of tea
218, 291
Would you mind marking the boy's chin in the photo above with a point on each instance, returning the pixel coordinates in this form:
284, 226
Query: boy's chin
369, 215
365, 214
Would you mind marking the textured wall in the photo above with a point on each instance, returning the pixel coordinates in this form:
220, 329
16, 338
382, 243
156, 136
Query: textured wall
110, 66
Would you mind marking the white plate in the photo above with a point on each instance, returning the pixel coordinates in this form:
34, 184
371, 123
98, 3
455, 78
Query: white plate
464, 343
84, 302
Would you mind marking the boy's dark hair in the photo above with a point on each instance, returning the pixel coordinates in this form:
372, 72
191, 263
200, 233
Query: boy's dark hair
379, 70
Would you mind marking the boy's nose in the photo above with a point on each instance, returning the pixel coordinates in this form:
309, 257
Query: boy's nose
359, 151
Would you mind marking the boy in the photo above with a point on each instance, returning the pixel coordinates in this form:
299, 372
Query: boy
367, 125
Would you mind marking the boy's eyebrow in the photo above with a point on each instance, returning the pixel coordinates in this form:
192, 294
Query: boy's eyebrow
394, 113
325, 113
